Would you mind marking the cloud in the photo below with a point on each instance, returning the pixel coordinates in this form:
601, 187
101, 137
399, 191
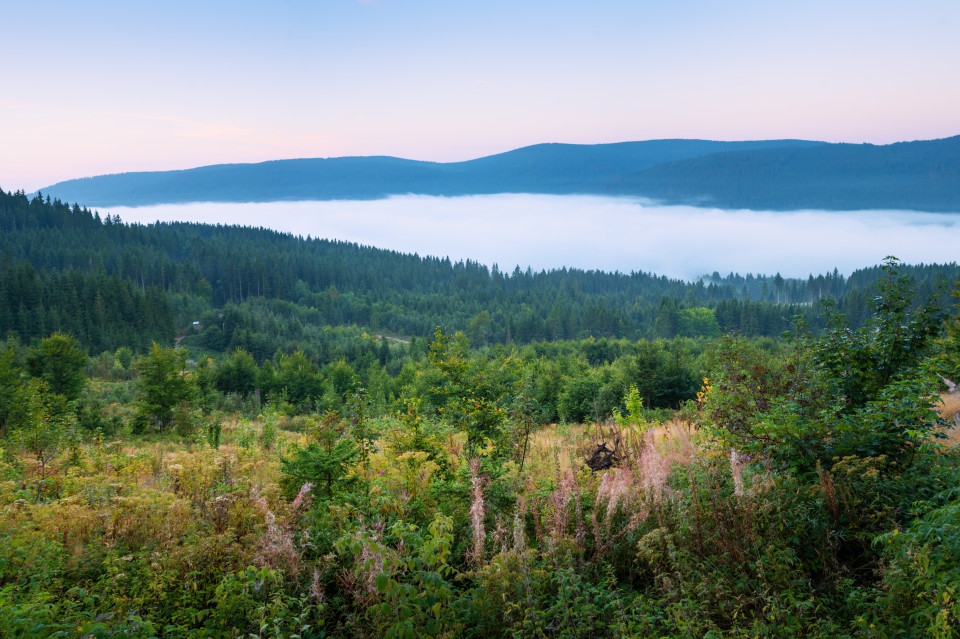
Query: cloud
182, 127
611, 234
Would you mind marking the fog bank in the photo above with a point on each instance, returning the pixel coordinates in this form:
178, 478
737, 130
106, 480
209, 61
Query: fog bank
588, 232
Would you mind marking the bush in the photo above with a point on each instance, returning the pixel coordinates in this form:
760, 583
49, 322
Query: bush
921, 577
865, 392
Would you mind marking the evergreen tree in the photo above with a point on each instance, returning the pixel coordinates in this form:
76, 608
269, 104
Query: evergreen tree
162, 385
60, 363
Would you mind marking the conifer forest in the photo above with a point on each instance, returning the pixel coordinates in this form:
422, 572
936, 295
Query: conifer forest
224, 431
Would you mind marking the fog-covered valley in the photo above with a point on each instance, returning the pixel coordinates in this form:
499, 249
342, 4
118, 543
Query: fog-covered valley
590, 232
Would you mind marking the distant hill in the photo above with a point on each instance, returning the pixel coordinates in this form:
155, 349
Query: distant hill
767, 174
582, 168
542, 168
921, 175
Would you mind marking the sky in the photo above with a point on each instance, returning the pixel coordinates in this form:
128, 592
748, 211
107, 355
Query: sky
112, 86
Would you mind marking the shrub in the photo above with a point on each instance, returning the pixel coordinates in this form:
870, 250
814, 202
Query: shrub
864, 392
921, 577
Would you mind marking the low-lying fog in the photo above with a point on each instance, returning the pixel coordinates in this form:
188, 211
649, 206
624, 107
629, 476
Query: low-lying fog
587, 232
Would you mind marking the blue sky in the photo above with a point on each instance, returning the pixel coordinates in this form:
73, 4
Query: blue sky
104, 87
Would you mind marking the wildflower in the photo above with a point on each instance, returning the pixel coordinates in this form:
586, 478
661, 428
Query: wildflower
477, 511
736, 472
303, 496
616, 488
315, 588
655, 468
519, 539
277, 545
557, 501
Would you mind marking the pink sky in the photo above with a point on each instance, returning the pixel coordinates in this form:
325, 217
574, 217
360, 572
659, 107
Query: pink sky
106, 87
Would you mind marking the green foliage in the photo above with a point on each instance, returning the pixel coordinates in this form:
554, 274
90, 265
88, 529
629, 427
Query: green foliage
746, 382
44, 430
697, 322
951, 343
921, 579
11, 378
124, 357
476, 397
93, 418
43, 617
300, 378
578, 401
414, 590
113, 285
60, 363
866, 392
341, 377
269, 431
634, 417
204, 385
162, 385
415, 434
237, 373
255, 602
214, 431
185, 420
525, 595
835, 509
861, 363
325, 462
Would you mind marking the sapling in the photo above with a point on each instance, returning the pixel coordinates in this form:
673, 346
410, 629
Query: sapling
43, 431
634, 417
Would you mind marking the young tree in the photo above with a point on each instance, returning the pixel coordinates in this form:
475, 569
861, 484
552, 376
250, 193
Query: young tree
10, 385
477, 396
862, 363
324, 462
162, 384
867, 392
237, 373
60, 363
300, 378
951, 344
42, 431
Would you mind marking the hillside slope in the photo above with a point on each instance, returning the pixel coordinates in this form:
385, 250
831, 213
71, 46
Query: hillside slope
922, 175
771, 174
542, 168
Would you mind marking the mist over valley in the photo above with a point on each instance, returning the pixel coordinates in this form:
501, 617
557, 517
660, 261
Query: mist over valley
595, 232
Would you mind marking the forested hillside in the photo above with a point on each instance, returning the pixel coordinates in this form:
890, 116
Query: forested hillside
726, 487
771, 174
594, 455
922, 175
542, 168
258, 289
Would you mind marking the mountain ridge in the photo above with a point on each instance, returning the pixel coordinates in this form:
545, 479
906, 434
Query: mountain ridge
769, 174
838, 176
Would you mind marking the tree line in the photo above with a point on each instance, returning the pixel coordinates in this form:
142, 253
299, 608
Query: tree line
110, 283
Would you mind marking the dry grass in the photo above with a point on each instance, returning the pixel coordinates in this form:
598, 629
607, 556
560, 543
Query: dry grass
570, 445
948, 410
557, 443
